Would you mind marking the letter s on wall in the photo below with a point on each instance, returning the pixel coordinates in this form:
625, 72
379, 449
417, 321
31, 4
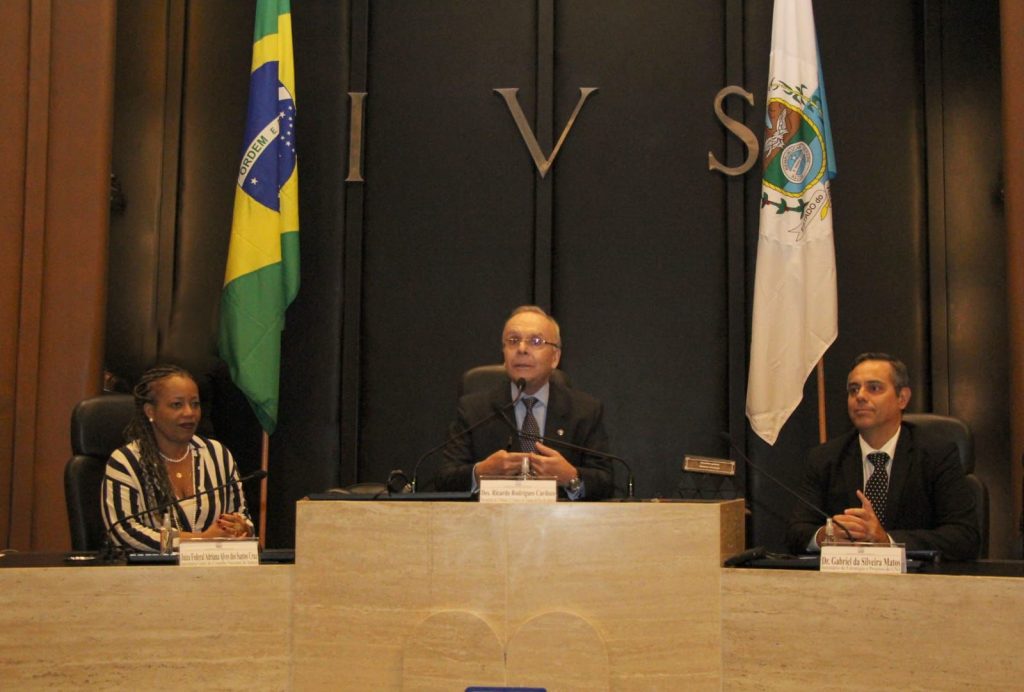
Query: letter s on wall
738, 129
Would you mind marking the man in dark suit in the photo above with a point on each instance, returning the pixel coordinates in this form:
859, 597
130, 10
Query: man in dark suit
532, 348
920, 494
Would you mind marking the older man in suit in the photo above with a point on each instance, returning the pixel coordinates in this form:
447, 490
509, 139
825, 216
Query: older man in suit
532, 348
886, 481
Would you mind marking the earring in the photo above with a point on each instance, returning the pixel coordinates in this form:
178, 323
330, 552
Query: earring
150, 420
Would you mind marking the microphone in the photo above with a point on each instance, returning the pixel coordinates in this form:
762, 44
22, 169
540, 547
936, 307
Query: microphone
411, 487
398, 482
256, 475
577, 448
728, 439
740, 559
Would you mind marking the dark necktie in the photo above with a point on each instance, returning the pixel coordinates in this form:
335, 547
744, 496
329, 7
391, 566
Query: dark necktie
530, 430
877, 488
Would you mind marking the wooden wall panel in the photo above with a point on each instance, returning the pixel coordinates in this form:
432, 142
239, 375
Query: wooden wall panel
212, 117
68, 88
15, 112
976, 263
77, 215
147, 106
1012, 54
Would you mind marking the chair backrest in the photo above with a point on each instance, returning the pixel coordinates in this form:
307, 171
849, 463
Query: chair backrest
949, 428
484, 377
97, 429
370, 488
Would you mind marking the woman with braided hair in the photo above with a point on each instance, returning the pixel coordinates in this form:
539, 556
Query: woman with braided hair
165, 460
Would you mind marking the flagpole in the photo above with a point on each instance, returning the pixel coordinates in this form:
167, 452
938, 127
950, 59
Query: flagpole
264, 463
822, 422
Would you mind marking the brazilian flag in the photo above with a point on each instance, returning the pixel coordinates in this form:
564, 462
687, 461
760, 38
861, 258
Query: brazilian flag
262, 275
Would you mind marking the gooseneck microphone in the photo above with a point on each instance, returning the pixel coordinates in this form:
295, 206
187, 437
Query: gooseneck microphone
256, 475
520, 388
576, 448
746, 460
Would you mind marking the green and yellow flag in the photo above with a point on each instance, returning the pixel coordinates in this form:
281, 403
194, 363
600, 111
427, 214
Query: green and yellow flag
262, 275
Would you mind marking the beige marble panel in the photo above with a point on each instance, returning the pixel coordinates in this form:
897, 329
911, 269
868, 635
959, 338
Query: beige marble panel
807, 630
645, 575
368, 573
559, 652
452, 650
145, 627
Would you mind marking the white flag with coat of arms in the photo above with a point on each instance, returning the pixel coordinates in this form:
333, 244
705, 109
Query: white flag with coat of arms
795, 306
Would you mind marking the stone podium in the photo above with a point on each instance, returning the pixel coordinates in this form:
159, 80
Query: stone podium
429, 595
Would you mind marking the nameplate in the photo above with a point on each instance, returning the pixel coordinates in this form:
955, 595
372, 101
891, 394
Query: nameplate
719, 467
518, 490
864, 558
233, 552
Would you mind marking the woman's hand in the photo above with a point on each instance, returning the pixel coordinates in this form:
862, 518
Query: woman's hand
233, 525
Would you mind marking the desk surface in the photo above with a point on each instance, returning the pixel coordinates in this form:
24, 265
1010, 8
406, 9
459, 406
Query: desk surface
11, 559
972, 568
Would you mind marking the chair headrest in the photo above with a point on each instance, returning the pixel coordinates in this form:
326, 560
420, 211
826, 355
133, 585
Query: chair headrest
485, 377
946, 428
97, 424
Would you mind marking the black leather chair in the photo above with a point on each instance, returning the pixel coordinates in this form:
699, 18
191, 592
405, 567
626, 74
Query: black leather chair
947, 427
484, 377
364, 489
97, 429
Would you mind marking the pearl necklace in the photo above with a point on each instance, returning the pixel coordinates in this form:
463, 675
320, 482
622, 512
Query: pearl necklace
177, 474
188, 450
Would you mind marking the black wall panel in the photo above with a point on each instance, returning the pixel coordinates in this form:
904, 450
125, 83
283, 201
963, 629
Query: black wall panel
639, 236
305, 450
448, 224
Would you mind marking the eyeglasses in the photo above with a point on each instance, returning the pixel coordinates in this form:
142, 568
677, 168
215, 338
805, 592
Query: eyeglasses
532, 342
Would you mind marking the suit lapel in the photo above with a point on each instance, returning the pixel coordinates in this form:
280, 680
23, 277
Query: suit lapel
902, 464
853, 470
498, 435
557, 422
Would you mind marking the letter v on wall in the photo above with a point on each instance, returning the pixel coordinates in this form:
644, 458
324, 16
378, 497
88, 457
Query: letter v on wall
543, 164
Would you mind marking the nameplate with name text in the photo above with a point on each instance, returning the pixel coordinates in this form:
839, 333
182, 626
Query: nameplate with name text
864, 558
719, 467
230, 552
505, 490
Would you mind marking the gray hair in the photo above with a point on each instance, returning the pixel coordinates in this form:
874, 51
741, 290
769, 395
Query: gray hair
540, 311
